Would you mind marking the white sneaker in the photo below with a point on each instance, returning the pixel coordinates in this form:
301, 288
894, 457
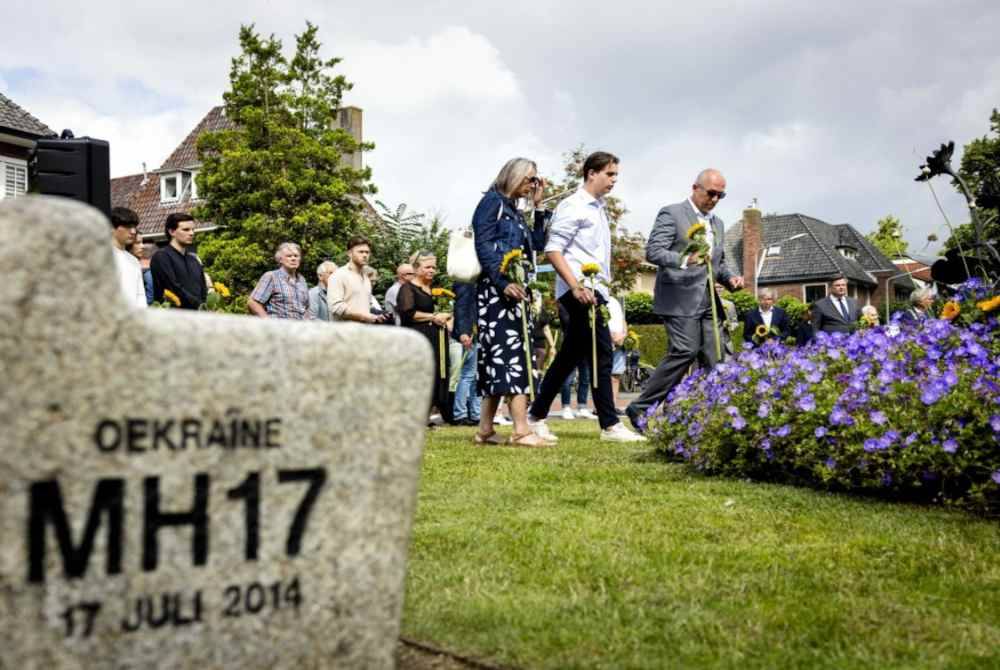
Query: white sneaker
436, 419
619, 433
541, 429
567, 413
585, 414
501, 420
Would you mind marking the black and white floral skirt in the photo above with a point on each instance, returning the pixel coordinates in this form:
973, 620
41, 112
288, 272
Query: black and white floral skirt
502, 367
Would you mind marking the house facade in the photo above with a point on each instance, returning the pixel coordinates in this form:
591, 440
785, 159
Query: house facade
800, 256
19, 132
171, 188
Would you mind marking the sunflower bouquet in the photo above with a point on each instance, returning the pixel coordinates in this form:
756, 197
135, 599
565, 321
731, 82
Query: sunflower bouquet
514, 267
170, 300
762, 333
631, 341
217, 298
698, 236
443, 301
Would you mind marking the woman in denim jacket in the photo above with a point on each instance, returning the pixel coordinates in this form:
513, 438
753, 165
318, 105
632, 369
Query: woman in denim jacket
500, 228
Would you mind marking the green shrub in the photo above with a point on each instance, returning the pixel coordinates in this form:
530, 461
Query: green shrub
652, 342
744, 301
794, 308
639, 309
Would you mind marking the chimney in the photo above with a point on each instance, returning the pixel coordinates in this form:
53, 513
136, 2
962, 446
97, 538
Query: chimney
350, 119
753, 242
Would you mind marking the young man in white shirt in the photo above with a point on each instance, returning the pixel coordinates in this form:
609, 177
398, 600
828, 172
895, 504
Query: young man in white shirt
349, 290
125, 224
581, 234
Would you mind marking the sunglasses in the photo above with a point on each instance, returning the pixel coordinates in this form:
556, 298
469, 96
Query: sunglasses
712, 193
534, 181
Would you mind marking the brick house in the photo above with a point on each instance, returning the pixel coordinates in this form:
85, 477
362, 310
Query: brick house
800, 255
19, 131
171, 187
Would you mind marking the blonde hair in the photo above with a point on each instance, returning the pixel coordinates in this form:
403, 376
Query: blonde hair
512, 174
417, 259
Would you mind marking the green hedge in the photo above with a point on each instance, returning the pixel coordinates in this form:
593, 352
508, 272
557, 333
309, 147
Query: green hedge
652, 342
639, 309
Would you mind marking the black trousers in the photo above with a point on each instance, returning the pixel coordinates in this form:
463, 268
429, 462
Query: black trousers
577, 348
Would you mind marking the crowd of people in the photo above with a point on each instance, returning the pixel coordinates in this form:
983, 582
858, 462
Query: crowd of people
485, 354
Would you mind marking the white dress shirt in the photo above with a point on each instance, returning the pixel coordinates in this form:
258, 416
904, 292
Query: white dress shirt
766, 317
581, 232
130, 278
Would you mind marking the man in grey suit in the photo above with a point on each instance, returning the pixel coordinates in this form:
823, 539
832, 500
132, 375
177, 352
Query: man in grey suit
837, 312
681, 296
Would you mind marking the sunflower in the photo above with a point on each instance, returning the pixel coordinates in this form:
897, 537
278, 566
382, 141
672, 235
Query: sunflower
989, 305
761, 331
950, 310
221, 289
696, 229
172, 297
442, 293
510, 256
590, 269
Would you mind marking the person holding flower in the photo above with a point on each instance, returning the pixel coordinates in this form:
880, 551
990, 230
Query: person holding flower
579, 249
687, 245
504, 239
765, 321
417, 310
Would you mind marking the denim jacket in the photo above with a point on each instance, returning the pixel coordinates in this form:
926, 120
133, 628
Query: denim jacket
499, 228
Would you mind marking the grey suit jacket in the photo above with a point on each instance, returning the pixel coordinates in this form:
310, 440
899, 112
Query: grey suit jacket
680, 292
828, 318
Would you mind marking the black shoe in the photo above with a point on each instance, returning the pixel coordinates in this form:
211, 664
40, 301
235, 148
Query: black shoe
619, 411
633, 416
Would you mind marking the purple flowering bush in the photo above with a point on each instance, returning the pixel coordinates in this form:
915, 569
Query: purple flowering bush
908, 409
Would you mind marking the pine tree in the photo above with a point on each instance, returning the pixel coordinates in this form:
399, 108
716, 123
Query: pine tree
279, 175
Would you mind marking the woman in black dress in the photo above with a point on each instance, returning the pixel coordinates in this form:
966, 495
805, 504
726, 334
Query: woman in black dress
415, 306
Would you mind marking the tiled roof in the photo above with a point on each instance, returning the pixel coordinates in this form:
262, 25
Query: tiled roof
144, 200
186, 154
814, 256
144, 197
919, 270
12, 117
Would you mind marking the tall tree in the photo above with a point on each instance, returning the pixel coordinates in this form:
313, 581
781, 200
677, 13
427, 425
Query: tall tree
627, 248
888, 237
980, 169
279, 174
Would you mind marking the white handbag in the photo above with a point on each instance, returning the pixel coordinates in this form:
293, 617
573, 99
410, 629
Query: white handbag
463, 263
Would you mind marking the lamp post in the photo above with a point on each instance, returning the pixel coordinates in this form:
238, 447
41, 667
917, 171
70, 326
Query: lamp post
763, 257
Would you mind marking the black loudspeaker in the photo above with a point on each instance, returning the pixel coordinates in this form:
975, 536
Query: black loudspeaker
78, 168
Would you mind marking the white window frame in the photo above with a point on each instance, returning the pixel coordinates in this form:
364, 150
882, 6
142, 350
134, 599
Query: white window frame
177, 186
194, 185
849, 254
16, 165
826, 290
774, 250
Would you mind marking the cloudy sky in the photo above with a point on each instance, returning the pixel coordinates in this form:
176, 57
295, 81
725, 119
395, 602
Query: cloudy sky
825, 110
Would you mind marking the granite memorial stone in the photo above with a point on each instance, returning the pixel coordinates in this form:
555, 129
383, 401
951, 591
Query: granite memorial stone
193, 490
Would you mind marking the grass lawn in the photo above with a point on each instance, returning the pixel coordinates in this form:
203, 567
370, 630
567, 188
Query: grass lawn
593, 555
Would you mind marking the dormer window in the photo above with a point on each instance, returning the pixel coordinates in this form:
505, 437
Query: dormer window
849, 253
177, 186
170, 187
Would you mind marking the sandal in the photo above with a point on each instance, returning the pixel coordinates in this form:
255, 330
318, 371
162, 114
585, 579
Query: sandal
528, 440
484, 440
